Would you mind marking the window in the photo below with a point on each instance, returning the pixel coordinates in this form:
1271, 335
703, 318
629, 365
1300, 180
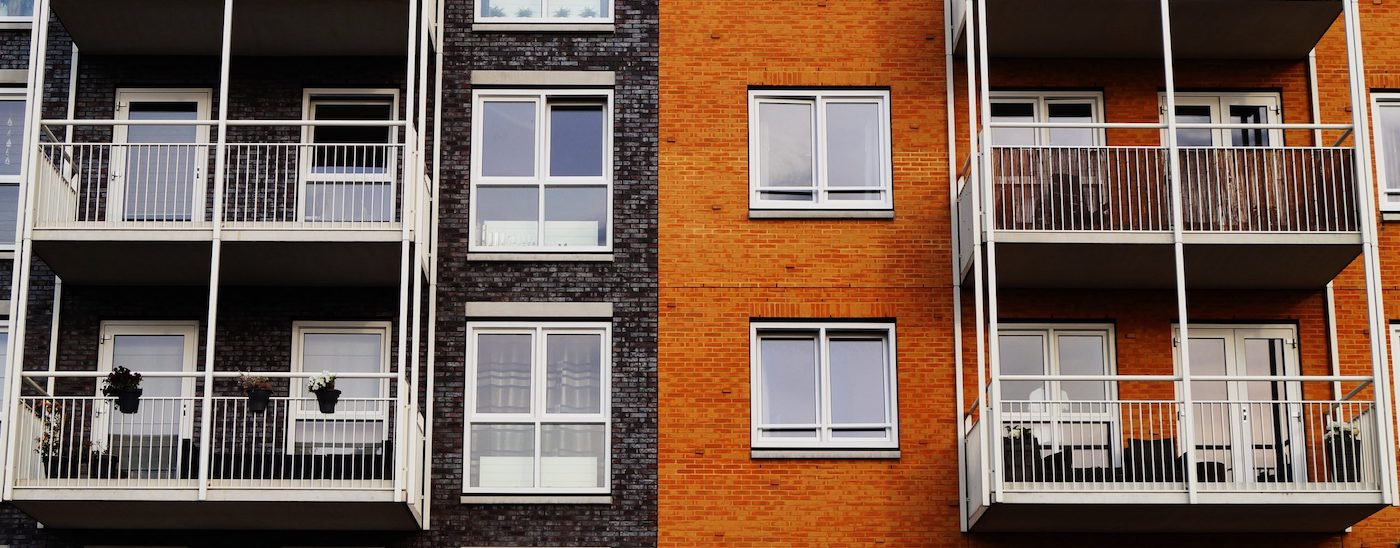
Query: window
1078, 419
1227, 108
360, 424
819, 150
349, 171
538, 408
827, 386
12, 111
1039, 108
542, 171
1385, 111
544, 11
16, 10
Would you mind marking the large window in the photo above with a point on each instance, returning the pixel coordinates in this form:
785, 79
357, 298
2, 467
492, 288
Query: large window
538, 408
825, 386
1039, 108
544, 11
361, 421
1061, 416
542, 171
349, 171
1227, 108
12, 107
1386, 116
16, 10
825, 149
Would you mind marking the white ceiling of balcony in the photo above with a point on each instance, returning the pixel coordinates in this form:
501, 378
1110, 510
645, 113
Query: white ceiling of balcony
1201, 29
261, 27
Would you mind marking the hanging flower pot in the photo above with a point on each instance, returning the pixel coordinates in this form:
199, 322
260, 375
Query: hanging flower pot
124, 385
129, 400
323, 386
327, 400
259, 391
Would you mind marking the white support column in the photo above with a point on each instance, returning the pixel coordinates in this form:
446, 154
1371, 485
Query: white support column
410, 182
432, 280
989, 226
975, 179
217, 216
1375, 309
1188, 434
949, 28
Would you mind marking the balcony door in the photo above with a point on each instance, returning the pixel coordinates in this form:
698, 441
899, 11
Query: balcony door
1246, 431
152, 443
1245, 108
1049, 178
158, 171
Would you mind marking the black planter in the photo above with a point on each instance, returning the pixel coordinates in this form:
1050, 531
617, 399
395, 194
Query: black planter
60, 467
1344, 455
327, 399
258, 400
129, 400
1021, 458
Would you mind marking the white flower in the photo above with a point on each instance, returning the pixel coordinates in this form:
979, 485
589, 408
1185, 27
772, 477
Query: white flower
324, 381
1339, 429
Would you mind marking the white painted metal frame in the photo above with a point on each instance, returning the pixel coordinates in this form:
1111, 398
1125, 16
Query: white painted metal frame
15, 94
482, 17
818, 99
313, 97
1389, 190
538, 417
822, 334
543, 101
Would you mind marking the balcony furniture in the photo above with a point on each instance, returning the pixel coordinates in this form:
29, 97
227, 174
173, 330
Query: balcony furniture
1150, 460
1343, 453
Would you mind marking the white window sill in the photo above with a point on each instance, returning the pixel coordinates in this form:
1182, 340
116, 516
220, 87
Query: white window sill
16, 25
830, 454
1390, 216
537, 499
543, 27
542, 257
821, 214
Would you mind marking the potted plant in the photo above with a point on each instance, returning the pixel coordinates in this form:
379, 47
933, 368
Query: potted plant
1020, 453
1343, 445
323, 386
125, 385
47, 444
102, 465
259, 391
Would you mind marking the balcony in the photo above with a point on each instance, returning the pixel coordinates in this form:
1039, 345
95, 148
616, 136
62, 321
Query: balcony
1101, 216
1257, 464
129, 211
188, 460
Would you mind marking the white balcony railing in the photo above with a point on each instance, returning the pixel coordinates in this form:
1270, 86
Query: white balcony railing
1237, 446
1224, 189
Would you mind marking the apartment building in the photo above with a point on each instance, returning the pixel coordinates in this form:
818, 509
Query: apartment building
286, 190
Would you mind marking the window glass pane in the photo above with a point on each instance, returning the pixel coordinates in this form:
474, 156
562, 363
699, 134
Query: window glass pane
579, 9
575, 216
1013, 112
508, 216
508, 147
853, 144
503, 373
1194, 114
9, 211
1079, 113
576, 141
1022, 355
511, 8
1388, 118
1249, 114
789, 378
572, 455
574, 374
161, 162
345, 353
785, 138
4, 346
11, 137
351, 149
1083, 355
858, 382
502, 455
146, 443
16, 8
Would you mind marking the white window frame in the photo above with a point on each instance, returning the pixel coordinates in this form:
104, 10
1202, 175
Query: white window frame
1041, 101
758, 330
11, 21
1390, 197
344, 96
116, 171
14, 94
297, 386
1220, 102
1047, 419
538, 417
819, 98
607, 18
108, 330
542, 99
1050, 333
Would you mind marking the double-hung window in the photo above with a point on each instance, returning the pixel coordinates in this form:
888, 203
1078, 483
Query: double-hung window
542, 171
16, 11
1061, 414
538, 408
819, 149
1385, 112
12, 111
824, 386
544, 11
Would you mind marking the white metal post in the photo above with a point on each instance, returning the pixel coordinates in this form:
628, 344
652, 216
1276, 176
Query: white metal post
1356, 71
950, 99
1188, 433
975, 179
405, 256
432, 278
988, 225
216, 248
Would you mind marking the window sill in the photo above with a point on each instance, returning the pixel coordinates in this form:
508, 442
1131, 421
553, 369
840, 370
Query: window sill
542, 257
821, 214
544, 27
1390, 216
829, 454
537, 499
16, 25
